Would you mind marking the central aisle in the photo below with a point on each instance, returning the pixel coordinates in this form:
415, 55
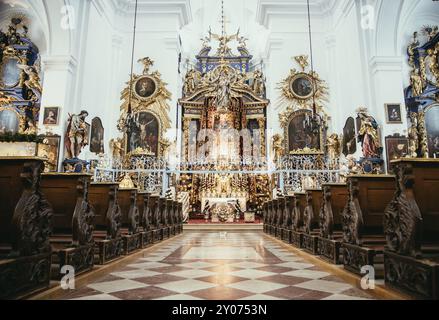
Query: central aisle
219, 266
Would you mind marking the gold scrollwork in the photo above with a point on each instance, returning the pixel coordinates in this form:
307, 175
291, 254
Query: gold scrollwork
153, 99
300, 90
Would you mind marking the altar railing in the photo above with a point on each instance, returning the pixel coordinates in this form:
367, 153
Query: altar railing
292, 173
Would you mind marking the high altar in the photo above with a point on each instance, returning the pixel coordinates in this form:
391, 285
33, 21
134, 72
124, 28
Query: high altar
224, 124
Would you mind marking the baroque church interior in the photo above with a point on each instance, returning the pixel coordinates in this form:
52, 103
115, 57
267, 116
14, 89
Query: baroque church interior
219, 150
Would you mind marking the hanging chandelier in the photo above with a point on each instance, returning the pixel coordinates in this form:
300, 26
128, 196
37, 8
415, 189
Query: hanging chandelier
132, 58
315, 121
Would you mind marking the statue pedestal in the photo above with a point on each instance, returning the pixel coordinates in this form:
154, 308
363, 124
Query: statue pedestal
18, 149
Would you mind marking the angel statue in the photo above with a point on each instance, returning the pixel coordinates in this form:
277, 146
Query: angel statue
190, 82
278, 148
33, 82
223, 93
147, 63
242, 42
369, 136
334, 147
206, 41
76, 136
417, 83
223, 49
258, 83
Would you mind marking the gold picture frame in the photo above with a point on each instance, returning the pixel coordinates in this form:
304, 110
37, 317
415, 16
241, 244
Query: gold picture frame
294, 89
148, 84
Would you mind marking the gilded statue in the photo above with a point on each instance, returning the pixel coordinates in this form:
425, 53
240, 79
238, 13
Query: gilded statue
369, 136
258, 83
147, 64
242, 42
430, 31
334, 147
126, 183
190, 83
278, 147
76, 137
413, 134
206, 42
223, 39
33, 82
117, 149
222, 99
417, 83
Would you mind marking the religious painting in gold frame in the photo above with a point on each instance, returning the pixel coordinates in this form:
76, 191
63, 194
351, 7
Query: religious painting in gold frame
300, 138
10, 73
145, 88
431, 119
143, 137
49, 149
302, 86
10, 121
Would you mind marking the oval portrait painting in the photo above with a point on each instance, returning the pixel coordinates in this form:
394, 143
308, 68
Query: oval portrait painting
301, 87
145, 87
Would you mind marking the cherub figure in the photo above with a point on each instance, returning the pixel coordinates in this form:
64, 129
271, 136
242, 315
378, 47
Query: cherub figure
33, 82
147, 64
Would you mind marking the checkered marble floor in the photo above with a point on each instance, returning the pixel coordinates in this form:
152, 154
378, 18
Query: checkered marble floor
219, 266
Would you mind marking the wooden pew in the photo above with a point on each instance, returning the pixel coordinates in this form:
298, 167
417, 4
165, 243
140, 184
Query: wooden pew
164, 218
268, 217
155, 206
72, 237
299, 205
411, 224
25, 226
311, 231
107, 235
145, 217
275, 217
265, 216
334, 199
288, 221
280, 217
363, 234
179, 217
174, 220
131, 235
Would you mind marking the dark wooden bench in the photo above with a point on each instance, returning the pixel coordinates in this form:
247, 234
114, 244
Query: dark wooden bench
334, 199
164, 218
25, 226
156, 205
275, 217
107, 234
179, 215
287, 219
265, 216
280, 217
311, 227
411, 224
363, 234
299, 206
145, 217
268, 217
72, 237
131, 232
